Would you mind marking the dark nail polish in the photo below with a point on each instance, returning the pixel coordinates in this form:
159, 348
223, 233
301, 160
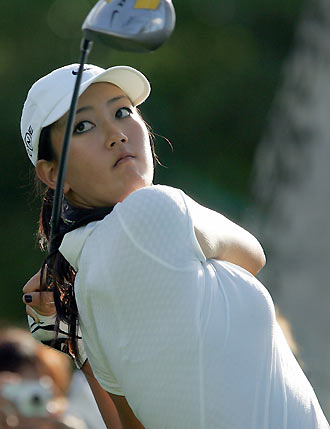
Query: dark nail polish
28, 299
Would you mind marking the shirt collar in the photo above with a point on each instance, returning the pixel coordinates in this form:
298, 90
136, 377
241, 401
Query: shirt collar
73, 243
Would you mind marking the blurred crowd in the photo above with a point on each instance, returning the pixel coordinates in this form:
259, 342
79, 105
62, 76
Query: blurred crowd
39, 387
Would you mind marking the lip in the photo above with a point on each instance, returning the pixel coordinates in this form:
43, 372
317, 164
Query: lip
123, 157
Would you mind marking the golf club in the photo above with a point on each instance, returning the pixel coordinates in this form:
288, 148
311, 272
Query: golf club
129, 25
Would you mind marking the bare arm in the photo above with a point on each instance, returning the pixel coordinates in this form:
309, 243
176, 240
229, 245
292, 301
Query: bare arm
127, 417
114, 409
222, 239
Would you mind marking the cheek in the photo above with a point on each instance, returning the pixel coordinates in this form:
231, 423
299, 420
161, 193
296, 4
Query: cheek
147, 155
141, 135
82, 165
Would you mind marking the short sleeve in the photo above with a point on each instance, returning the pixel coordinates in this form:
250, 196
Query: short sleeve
139, 264
103, 375
158, 222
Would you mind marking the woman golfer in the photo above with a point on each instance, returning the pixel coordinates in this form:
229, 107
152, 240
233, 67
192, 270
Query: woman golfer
177, 331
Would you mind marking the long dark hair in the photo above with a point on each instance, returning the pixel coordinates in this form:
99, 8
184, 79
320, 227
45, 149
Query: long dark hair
60, 275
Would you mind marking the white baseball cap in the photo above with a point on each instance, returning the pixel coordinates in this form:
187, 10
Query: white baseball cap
50, 97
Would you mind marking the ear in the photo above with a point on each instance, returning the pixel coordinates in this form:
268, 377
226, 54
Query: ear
47, 172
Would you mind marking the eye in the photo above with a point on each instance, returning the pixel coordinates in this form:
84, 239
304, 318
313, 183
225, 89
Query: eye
123, 112
82, 127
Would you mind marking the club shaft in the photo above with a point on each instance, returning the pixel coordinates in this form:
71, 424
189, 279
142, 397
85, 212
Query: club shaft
58, 197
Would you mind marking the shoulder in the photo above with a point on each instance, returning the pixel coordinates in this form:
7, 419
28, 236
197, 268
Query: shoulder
156, 220
152, 202
159, 194
152, 221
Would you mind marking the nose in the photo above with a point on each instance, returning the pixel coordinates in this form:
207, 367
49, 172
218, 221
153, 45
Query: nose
115, 138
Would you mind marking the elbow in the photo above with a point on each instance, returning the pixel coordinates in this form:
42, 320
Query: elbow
258, 257
255, 259
260, 262
251, 260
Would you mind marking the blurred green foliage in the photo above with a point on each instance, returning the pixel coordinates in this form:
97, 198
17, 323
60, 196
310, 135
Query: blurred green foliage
213, 83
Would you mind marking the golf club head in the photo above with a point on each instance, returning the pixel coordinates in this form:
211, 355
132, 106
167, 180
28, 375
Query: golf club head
131, 25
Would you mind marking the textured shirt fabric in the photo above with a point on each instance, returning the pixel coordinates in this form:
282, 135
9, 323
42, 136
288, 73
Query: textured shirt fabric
191, 343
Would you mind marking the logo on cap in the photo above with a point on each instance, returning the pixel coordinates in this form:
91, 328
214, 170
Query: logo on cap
74, 72
28, 140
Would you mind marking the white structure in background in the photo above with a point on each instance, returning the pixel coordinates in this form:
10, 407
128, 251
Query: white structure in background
292, 190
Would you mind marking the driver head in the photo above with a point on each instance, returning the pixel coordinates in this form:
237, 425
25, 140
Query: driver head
131, 25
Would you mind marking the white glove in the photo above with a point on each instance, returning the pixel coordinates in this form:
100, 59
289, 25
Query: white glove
43, 330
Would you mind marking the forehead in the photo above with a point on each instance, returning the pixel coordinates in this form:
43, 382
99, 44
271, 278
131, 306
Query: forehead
96, 93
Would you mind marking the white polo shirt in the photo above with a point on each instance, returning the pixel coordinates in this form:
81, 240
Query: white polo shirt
191, 343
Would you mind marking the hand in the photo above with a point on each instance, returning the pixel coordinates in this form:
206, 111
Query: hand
38, 301
41, 311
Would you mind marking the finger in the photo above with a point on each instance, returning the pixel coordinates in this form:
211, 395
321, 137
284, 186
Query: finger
39, 299
40, 311
42, 302
33, 284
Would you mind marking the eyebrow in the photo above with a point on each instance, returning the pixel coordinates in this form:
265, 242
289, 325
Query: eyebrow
111, 101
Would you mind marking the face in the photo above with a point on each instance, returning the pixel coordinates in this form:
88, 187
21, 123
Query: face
110, 154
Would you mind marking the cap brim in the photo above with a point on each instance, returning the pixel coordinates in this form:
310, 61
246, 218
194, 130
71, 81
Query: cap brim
132, 82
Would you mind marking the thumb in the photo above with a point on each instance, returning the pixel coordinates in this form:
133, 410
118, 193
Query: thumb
34, 283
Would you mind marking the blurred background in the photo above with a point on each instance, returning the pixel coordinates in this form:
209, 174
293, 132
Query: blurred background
242, 92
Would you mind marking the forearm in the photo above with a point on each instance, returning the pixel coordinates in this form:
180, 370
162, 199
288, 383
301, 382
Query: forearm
237, 247
244, 251
104, 402
114, 409
222, 239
